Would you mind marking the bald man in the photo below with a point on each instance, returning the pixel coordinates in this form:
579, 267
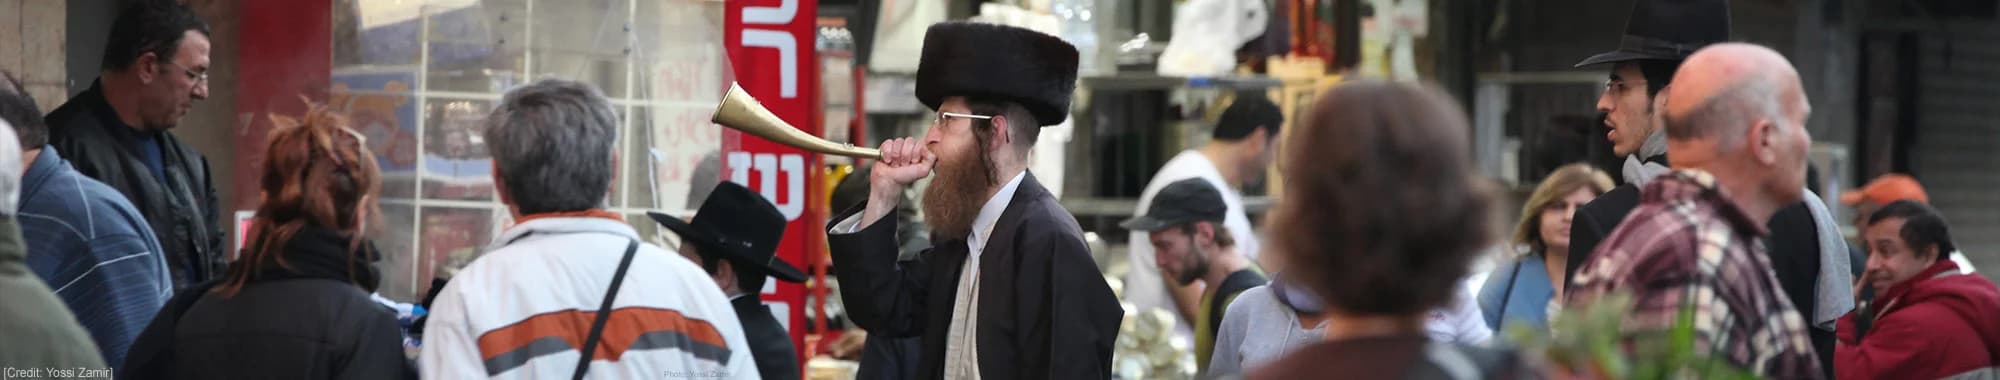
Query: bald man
1736, 139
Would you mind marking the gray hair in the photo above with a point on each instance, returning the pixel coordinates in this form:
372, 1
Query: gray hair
552, 143
1728, 114
10, 170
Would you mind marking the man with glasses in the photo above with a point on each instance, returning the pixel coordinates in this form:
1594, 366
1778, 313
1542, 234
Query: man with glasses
1008, 289
1658, 36
1805, 246
155, 67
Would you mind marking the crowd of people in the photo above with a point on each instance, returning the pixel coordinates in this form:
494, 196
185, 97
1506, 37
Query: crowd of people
110, 255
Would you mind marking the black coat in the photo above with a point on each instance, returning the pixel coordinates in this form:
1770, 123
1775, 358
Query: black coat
1793, 248
310, 321
1045, 311
182, 209
770, 345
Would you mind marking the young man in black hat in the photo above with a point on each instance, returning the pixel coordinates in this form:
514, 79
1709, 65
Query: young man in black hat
1009, 289
734, 236
1805, 248
1658, 36
1184, 226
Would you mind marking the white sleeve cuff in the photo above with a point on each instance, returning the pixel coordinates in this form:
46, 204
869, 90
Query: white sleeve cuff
846, 226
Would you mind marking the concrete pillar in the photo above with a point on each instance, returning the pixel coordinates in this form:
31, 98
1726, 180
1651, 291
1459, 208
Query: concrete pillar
31, 47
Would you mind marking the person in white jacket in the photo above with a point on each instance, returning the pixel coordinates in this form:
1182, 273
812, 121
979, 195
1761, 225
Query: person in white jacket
526, 308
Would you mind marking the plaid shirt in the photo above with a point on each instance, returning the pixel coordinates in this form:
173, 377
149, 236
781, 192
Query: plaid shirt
1687, 245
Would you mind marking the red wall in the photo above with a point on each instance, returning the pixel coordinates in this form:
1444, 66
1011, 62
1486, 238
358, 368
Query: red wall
286, 50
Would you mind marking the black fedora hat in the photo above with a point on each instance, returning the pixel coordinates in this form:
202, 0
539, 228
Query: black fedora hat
738, 225
1668, 30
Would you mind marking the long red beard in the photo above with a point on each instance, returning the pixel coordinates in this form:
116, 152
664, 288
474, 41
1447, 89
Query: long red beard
954, 196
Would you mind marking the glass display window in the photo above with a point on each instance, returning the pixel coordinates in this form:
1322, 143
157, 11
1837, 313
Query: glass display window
419, 77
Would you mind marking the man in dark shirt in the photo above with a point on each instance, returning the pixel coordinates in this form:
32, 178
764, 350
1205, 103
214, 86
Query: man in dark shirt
155, 67
1184, 225
734, 236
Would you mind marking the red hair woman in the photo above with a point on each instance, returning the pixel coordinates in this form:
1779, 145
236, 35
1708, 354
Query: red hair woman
295, 304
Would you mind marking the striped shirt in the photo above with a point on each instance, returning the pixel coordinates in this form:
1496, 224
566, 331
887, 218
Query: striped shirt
1688, 245
95, 250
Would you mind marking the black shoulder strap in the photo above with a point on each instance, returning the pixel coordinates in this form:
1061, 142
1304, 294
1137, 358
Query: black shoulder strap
1508, 293
604, 312
1456, 361
1657, 159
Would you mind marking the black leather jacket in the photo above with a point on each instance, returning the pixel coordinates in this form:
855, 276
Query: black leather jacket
182, 208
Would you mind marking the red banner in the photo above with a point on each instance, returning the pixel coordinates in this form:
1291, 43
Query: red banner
770, 45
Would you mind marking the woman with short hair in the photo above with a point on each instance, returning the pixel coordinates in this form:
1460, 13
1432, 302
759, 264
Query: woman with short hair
1520, 289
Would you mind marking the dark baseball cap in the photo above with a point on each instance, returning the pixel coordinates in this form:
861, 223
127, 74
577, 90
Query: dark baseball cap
1181, 202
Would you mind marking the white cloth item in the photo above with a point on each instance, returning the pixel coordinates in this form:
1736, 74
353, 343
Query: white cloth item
1258, 329
1637, 171
1964, 266
1459, 321
1207, 34
982, 224
1834, 289
10, 169
899, 34
1143, 286
554, 272
961, 347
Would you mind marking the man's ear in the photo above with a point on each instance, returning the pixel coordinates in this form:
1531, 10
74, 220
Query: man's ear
725, 274
1003, 132
1260, 137
499, 184
1204, 231
613, 189
147, 66
1764, 141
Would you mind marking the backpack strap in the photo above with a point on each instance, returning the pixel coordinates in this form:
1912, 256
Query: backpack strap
1455, 361
604, 312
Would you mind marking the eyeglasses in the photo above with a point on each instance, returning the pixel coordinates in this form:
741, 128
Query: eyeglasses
1616, 86
941, 115
198, 78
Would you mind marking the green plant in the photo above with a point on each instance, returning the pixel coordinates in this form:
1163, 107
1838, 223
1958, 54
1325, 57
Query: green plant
1589, 343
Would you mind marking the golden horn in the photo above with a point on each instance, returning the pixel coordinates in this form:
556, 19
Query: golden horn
741, 112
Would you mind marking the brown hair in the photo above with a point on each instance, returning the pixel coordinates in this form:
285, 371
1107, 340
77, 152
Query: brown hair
316, 172
1560, 183
1383, 212
1223, 238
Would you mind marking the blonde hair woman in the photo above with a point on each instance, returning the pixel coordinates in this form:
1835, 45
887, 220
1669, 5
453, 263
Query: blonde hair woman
1520, 289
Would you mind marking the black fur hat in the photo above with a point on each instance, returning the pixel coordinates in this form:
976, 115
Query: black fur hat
989, 60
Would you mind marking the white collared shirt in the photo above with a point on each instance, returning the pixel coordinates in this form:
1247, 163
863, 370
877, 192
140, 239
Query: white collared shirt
962, 344
982, 224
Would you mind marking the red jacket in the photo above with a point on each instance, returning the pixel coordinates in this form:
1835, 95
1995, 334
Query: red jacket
1939, 323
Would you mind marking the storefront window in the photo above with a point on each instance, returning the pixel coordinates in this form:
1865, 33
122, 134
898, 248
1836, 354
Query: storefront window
419, 77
